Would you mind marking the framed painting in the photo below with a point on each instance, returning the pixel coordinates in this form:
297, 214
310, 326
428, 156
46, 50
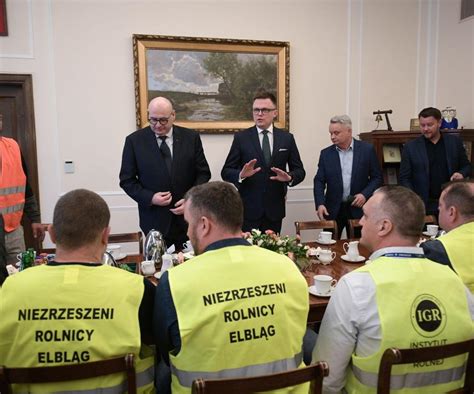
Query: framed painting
3, 18
211, 81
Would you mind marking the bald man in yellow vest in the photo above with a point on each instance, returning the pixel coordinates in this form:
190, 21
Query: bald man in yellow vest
456, 216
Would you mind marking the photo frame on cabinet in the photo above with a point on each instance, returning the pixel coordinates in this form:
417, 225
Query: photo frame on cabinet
211, 81
391, 153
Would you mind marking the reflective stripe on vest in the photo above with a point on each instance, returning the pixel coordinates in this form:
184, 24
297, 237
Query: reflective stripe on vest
11, 209
142, 379
411, 380
186, 378
12, 190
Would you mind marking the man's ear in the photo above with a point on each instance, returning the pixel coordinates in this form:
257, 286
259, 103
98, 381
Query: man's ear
104, 238
453, 214
205, 225
51, 232
385, 227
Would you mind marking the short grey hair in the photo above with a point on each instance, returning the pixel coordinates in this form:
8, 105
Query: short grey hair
342, 119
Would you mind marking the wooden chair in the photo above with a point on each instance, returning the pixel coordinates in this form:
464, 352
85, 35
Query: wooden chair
128, 237
315, 372
63, 373
353, 225
430, 219
394, 356
330, 225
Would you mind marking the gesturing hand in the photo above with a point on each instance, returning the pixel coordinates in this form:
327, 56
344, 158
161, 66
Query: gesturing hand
249, 169
281, 176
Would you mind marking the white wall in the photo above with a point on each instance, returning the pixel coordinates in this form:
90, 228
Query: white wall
346, 57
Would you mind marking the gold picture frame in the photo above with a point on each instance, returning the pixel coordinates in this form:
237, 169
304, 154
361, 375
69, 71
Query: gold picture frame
211, 81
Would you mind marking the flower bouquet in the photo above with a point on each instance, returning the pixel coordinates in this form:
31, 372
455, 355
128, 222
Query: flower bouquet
290, 246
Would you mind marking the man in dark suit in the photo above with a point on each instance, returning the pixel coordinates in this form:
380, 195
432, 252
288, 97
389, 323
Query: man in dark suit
432, 159
257, 165
160, 163
348, 173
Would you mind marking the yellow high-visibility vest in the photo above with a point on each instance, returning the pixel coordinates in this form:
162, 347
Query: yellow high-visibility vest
420, 303
72, 313
459, 245
242, 311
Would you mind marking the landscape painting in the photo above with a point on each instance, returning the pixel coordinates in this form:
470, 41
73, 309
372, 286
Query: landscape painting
210, 81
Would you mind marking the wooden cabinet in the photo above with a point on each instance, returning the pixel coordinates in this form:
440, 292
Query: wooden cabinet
389, 147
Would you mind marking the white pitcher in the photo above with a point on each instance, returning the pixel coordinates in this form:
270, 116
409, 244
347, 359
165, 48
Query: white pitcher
351, 249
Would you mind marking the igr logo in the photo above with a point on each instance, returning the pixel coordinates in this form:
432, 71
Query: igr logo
428, 316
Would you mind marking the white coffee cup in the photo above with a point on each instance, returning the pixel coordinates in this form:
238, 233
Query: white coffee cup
352, 250
114, 250
147, 267
326, 256
432, 229
323, 283
325, 236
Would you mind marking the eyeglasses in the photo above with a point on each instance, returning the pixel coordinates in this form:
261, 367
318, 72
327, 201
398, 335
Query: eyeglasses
162, 121
264, 111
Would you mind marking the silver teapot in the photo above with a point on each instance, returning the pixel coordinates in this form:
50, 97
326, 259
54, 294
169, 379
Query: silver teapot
155, 246
108, 259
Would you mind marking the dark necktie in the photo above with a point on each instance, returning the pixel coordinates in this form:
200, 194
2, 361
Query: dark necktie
165, 151
267, 154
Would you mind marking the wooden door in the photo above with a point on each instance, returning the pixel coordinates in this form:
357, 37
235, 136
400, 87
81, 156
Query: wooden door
16, 105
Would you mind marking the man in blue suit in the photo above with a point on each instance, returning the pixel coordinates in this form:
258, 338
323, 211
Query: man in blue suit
348, 173
262, 162
432, 159
160, 163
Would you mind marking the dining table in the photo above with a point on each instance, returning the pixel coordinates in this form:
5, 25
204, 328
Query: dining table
336, 269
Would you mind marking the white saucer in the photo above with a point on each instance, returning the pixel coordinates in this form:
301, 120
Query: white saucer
360, 259
188, 255
331, 242
157, 275
312, 290
120, 256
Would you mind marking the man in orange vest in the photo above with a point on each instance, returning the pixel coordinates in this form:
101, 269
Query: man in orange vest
16, 197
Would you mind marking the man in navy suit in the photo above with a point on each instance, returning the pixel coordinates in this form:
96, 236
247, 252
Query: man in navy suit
160, 163
262, 162
432, 159
348, 173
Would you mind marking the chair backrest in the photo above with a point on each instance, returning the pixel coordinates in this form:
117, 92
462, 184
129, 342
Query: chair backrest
315, 372
431, 219
318, 225
394, 356
353, 224
63, 373
128, 237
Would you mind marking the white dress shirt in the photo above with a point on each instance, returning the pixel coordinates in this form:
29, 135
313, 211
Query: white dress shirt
169, 141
